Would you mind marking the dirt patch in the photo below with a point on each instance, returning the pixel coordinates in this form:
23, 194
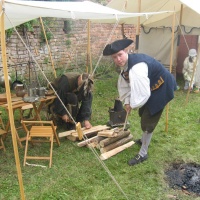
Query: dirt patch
185, 177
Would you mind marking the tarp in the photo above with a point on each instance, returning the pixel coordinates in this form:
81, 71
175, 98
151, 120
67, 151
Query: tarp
190, 15
156, 35
19, 12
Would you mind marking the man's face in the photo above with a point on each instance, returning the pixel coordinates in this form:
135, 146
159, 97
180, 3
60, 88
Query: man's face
120, 58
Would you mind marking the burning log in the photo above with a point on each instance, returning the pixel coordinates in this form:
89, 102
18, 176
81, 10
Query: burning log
115, 151
116, 144
119, 136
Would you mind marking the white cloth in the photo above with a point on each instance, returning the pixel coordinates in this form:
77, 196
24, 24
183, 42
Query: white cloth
188, 69
137, 91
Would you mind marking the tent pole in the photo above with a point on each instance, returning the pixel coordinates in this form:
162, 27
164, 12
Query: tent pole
138, 28
41, 21
89, 59
8, 96
170, 67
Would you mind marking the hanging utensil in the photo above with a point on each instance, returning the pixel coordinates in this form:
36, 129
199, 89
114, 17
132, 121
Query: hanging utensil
16, 81
30, 58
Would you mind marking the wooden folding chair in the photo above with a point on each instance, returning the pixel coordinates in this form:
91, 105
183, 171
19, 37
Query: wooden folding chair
40, 131
29, 108
2, 132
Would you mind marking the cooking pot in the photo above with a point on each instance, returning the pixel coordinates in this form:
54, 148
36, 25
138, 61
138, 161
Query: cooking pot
15, 82
20, 91
2, 81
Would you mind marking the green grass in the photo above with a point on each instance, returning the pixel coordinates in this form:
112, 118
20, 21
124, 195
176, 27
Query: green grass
76, 174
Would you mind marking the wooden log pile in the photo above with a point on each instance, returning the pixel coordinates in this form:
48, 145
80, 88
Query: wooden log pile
108, 141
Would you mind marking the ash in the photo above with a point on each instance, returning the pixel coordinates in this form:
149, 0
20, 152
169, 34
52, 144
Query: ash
185, 177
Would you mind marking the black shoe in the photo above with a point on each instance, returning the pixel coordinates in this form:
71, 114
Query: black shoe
139, 142
138, 159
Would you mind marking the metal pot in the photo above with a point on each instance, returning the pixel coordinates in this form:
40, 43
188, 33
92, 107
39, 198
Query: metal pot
20, 91
32, 92
2, 81
15, 82
41, 91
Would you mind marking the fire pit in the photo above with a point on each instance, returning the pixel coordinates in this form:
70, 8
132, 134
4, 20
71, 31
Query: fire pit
185, 177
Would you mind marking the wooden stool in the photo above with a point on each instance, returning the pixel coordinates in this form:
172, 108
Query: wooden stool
40, 133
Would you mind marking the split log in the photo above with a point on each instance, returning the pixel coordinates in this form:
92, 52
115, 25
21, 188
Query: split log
115, 151
116, 144
73, 135
94, 139
107, 133
108, 141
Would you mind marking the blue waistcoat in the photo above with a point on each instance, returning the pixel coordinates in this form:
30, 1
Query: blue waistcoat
162, 82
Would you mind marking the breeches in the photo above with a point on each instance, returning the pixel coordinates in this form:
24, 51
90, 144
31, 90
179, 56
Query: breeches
148, 121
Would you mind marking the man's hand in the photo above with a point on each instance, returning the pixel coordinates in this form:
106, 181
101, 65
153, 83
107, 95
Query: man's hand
65, 118
128, 108
87, 124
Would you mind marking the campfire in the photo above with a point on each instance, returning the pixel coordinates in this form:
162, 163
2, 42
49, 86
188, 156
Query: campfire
185, 177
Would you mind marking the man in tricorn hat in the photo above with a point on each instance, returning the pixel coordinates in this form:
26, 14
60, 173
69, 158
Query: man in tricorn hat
143, 83
73, 89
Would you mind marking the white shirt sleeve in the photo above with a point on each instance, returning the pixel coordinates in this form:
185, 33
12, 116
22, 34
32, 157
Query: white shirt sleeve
140, 85
124, 90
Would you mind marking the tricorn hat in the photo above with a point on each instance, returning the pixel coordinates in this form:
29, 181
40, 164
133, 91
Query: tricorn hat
116, 46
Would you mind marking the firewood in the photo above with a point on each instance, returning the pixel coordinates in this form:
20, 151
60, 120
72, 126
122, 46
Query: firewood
94, 139
115, 151
73, 135
107, 133
119, 136
116, 144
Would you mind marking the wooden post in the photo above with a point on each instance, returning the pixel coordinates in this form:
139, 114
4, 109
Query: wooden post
138, 28
54, 71
170, 68
89, 59
8, 96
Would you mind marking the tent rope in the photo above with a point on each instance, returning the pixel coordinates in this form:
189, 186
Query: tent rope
92, 149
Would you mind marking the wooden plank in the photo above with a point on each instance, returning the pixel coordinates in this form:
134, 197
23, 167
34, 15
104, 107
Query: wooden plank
115, 151
85, 131
94, 139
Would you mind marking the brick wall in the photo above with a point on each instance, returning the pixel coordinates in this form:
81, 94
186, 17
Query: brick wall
68, 50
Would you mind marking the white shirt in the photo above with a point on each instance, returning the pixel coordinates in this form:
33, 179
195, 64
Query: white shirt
137, 92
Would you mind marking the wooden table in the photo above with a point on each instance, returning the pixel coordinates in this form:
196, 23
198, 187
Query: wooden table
18, 103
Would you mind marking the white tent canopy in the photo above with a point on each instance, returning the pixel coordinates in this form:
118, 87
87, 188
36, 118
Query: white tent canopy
155, 36
190, 15
19, 12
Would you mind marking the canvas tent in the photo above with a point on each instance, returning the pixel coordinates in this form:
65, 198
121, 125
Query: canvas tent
13, 13
19, 12
155, 35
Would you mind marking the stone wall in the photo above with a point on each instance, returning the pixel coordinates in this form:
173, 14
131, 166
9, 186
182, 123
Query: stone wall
68, 50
